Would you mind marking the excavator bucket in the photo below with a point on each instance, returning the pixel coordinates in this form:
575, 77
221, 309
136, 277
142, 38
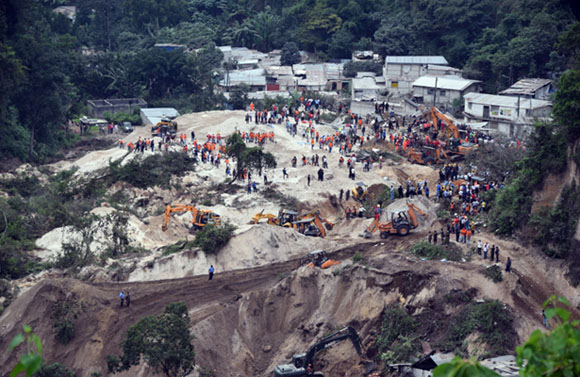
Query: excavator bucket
329, 263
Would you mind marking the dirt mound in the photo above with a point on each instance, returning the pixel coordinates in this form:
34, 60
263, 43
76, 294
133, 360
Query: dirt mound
257, 245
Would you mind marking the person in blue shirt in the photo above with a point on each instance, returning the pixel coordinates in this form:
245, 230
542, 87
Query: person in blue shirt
211, 271
122, 297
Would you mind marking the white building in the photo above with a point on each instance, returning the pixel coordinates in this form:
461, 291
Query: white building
366, 86
530, 88
441, 91
506, 115
401, 71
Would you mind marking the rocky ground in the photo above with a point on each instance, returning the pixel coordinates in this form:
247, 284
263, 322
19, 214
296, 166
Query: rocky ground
262, 305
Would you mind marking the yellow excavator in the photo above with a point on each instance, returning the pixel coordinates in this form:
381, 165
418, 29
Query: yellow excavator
318, 258
284, 218
455, 146
201, 217
401, 223
360, 192
312, 224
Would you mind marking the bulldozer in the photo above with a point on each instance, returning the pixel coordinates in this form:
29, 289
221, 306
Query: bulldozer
312, 224
201, 217
401, 223
319, 259
165, 126
302, 364
360, 192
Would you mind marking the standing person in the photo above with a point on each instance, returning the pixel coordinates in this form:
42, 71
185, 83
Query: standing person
308, 178
492, 255
442, 234
479, 247
347, 195
211, 271
122, 297
429, 237
320, 175
435, 238
508, 265
544, 318
485, 250
128, 298
284, 173
497, 254
341, 193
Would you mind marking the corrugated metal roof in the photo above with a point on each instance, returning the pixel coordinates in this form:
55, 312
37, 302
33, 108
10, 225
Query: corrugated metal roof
506, 101
154, 114
416, 60
444, 82
249, 76
527, 86
442, 68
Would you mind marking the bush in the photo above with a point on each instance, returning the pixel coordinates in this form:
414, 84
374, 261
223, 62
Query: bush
398, 340
65, 331
430, 251
151, 171
357, 257
55, 370
493, 273
212, 238
493, 322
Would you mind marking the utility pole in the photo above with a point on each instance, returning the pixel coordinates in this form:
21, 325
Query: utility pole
435, 92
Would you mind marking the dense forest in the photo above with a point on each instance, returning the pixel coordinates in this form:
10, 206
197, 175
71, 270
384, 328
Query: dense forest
51, 66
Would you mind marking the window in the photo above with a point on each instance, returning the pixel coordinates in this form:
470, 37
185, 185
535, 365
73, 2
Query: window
394, 84
469, 105
442, 93
429, 91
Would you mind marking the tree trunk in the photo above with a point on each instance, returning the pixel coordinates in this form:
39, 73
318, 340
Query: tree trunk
31, 145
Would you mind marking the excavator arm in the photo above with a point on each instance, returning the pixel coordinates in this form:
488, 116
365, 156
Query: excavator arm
169, 210
413, 216
327, 342
200, 217
450, 128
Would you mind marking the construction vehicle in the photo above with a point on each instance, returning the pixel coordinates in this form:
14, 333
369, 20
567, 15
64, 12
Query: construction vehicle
261, 215
302, 364
165, 127
312, 224
401, 223
449, 130
456, 147
319, 259
201, 217
360, 192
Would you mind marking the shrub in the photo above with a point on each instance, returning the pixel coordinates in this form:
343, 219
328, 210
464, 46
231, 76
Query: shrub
430, 251
493, 322
212, 238
151, 171
493, 273
398, 340
65, 331
55, 370
357, 257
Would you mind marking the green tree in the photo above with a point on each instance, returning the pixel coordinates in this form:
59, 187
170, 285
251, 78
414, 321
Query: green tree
458, 367
567, 103
239, 96
163, 341
247, 158
290, 54
55, 370
31, 361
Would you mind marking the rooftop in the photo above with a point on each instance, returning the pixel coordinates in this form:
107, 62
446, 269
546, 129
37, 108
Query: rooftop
365, 83
154, 114
444, 82
440, 60
526, 86
506, 101
248, 76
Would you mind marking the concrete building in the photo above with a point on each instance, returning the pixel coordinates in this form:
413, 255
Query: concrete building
441, 91
401, 71
365, 86
98, 107
530, 88
155, 114
506, 115
254, 78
